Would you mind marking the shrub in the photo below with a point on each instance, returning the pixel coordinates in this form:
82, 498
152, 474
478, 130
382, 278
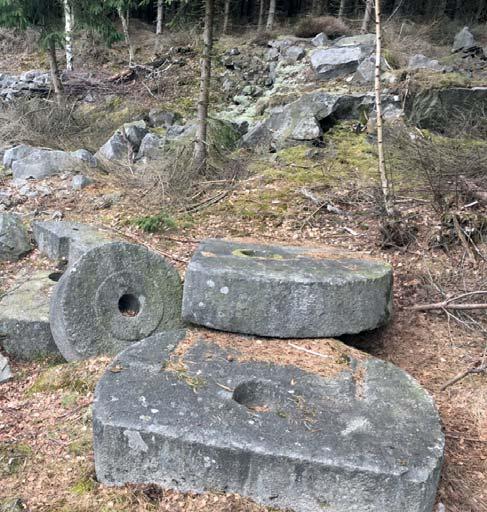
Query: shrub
154, 223
332, 27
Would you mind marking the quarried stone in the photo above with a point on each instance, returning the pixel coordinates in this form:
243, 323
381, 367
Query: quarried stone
5, 372
111, 296
13, 237
362, 436
285, 292
24, 317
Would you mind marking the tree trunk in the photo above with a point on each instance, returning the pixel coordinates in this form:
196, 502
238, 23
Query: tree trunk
270, 15
68, 34
343, 8
200, 147
53, 65
260, 23
480, 10
226, 16
160, 16
385, 185
126, 35
367, 15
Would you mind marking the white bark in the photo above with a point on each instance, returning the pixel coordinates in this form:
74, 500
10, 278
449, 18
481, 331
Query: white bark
367, 15
270, 16
126, 34
160, 14
68, 34
343, 7
385, 184
260, 24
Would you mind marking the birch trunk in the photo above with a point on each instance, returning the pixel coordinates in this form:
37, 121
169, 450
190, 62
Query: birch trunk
367, 15
260, 23
68, 34
200, 147
226, 16
54, 68
343, 8
160, 15
385, 185
270, 15
125, 28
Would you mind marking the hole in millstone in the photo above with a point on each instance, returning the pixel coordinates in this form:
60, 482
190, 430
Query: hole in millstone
254, 395
252, 253
129, 305
55, 276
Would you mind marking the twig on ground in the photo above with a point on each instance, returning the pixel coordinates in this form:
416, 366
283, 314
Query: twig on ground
449, 303
312, 352
478, 367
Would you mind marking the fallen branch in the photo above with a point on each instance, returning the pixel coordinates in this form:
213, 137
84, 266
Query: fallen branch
479, 367
312, 352
448, 303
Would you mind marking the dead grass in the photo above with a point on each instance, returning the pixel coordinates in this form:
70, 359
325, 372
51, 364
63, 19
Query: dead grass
331, 26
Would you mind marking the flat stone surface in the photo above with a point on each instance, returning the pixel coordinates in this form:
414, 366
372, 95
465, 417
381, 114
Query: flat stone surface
113, 295
14, 241
61, 240
24, 317
285, 292
5, 373
364, 439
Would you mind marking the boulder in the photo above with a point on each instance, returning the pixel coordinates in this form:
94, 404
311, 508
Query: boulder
14, 241
61, 240
150, 147
42, 163
80, 181
333, 62
463, 40
420, 61
5, 372
115, 148
16, 153
438, 109
294, 53
85, 156
285, 292
24, 317
361, 435
113, 295
163, 118
134, 133
320, 39
272, 54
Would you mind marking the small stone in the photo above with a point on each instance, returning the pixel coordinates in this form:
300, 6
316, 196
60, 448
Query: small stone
463, 40
113, 295
163, 118
5, 372
420, 61
150, 147
272, 55
80, 181
85, 156
135, 132
14, 241
320, 39
234, 51
24, 317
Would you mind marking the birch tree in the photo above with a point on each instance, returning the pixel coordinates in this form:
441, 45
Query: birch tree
200, 154
68, 34
159, 17
270, 15
369, 5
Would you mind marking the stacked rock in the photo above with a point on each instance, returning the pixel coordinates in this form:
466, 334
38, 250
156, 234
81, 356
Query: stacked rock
351, 433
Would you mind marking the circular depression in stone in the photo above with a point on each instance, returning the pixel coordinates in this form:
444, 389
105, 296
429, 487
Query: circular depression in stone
129, 305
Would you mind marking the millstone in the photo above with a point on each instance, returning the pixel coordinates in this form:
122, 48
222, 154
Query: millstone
285, 292
364, 438
111, 296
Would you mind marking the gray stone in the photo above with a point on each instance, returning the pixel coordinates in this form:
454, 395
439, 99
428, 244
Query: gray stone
42, 163
234, 51
24, 317
5, 372
16, 153
439, 109
111, 296
163, 118
365, 438
85, 156
285, 292
14, 241
366, 69
115, 148
334, 62
420, 61
294, 53
134, 133
272, 54
150, 147
463, 40
320, 39
61, 240
80, 181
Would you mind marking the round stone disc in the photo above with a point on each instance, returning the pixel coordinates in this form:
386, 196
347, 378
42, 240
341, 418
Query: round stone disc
114, 295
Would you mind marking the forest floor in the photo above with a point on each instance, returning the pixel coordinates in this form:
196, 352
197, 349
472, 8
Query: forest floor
46, 455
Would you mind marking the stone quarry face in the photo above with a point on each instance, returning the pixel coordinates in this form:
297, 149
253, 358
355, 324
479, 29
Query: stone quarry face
60, 240
113, 295
365, 437
24, 317
14, 241
285, 292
